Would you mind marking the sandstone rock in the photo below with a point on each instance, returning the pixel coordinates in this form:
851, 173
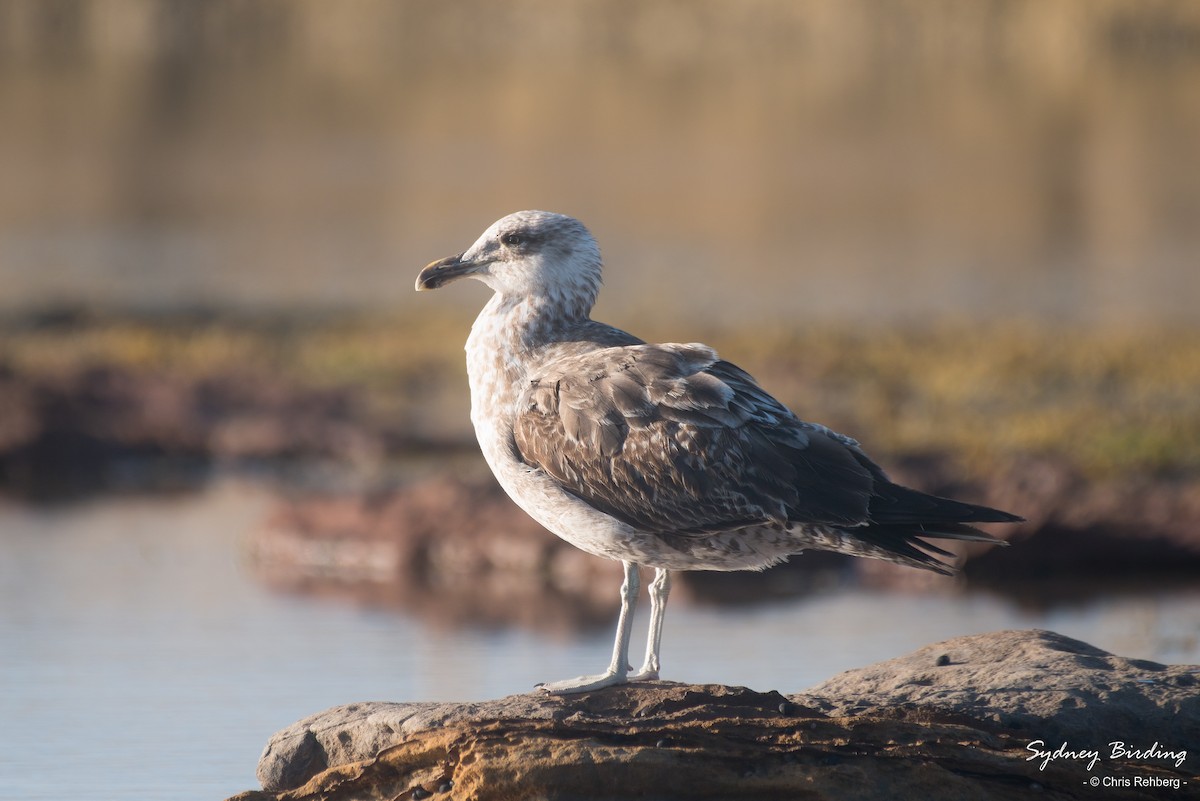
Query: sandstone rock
951, 721
1040, 682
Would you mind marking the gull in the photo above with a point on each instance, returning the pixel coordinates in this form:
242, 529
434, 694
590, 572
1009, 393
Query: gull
661, 456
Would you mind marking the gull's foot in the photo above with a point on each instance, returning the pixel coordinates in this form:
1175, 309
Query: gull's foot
645, 674
584, 684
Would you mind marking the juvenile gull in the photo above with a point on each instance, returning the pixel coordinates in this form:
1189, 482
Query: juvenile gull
662, 456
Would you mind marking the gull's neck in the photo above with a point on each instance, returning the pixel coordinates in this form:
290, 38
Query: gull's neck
507, 340
528, 322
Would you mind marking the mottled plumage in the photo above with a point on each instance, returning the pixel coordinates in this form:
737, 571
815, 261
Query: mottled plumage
663, 456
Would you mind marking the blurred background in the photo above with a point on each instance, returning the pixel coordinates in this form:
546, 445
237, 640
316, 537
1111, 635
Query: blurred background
237, 479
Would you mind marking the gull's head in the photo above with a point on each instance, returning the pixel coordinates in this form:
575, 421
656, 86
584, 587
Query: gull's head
528, 254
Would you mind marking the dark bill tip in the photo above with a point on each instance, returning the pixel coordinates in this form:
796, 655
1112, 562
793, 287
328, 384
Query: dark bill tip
443, 271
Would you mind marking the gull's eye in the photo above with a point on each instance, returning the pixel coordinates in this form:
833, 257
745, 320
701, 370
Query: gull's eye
513, 239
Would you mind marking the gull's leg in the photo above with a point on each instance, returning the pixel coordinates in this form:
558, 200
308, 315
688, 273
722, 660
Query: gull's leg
659, 589
618, 668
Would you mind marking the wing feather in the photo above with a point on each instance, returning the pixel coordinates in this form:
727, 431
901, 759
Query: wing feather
670, 439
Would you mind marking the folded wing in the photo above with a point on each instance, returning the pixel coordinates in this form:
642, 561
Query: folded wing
670, 439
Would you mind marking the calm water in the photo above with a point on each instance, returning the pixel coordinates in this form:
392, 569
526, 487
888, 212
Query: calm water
833, 160
141, 661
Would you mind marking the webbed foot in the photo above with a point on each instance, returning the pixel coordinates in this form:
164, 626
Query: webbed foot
584, 684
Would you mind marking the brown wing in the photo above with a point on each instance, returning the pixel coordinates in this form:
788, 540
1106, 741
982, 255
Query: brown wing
668, 438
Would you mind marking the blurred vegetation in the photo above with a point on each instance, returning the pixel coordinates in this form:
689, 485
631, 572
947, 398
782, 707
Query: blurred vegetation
1108, 402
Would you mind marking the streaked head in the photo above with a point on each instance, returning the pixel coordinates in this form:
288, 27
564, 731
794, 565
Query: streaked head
528, 253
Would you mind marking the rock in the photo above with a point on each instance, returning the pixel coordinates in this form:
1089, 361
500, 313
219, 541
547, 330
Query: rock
357, 732
74, 433
920, 726
1040, 682
457, 549
1079, 527
449, 550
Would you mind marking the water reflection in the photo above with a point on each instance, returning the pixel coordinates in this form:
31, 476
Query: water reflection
139, 650
861, 158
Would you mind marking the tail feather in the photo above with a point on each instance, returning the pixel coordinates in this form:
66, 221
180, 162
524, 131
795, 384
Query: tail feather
900, 519
951, 531
901, 546
893, 504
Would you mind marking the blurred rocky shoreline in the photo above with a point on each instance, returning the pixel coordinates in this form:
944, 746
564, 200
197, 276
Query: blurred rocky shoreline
456, 550
383, 498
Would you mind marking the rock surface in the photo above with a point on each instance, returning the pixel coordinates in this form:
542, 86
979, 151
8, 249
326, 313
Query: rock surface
953, 720
1051, 686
